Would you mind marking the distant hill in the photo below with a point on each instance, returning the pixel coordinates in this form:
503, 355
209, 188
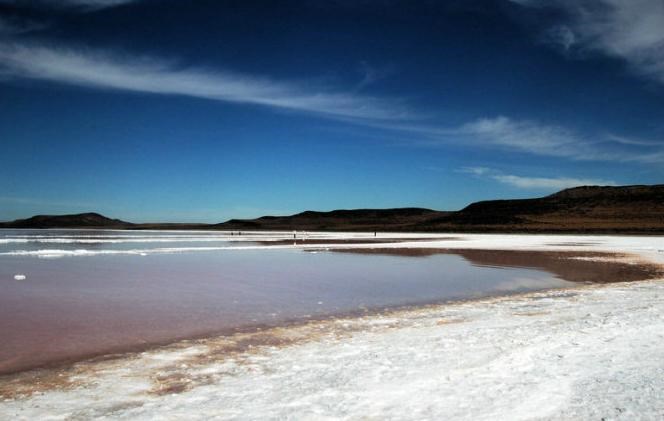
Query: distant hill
627, 209
579, 209
340, 220
80, 220
590, 209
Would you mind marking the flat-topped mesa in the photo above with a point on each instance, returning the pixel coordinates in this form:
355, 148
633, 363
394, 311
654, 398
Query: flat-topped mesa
579, 209
654, 192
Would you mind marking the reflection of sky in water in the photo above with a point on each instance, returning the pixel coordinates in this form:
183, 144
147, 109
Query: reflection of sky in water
99, 240
81, 305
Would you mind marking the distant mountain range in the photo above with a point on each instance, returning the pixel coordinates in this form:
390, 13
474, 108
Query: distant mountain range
591, 209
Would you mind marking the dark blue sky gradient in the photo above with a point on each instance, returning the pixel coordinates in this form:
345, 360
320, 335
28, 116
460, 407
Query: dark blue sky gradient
152, 157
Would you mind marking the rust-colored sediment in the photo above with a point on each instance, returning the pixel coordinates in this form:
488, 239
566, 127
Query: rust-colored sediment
26, 384
238, 348
180, 375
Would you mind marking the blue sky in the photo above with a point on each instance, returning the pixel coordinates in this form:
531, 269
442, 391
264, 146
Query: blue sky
158, 110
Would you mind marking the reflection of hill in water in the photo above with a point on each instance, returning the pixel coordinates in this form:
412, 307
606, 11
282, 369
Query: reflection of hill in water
582, 267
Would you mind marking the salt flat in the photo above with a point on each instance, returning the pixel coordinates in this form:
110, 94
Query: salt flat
584, 353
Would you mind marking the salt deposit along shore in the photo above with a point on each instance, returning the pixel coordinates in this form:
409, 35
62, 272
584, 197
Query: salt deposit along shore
592, 352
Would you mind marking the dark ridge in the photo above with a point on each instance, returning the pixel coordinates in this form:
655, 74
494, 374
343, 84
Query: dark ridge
580, 209
611, 192
80, 220
587, 209
339, 220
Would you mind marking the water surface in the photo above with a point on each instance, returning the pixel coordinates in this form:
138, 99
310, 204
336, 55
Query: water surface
80, 305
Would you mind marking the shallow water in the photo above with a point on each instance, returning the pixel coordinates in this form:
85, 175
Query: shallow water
76, 306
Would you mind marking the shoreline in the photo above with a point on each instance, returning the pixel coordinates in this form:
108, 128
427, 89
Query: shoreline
627, 269
255, 333
599, 232
186, 369
197, 368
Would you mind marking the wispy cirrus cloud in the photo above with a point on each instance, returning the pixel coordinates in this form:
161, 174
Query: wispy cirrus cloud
540, 183
16, 26
624, 140
91, 3
556, 183
477, 171
142, 74
537, 138
71, 4
82, 67
528, 136
630, 30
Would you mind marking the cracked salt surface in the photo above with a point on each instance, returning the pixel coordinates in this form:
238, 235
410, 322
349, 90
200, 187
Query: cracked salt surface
598, 352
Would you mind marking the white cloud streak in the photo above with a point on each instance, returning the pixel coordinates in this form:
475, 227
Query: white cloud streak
557, 183
527, 136
632, 141
91, 3
530, 137
540, 183
549, 140
15, 26
148, 75
89, 68
477, 171
630, 30
71, 4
